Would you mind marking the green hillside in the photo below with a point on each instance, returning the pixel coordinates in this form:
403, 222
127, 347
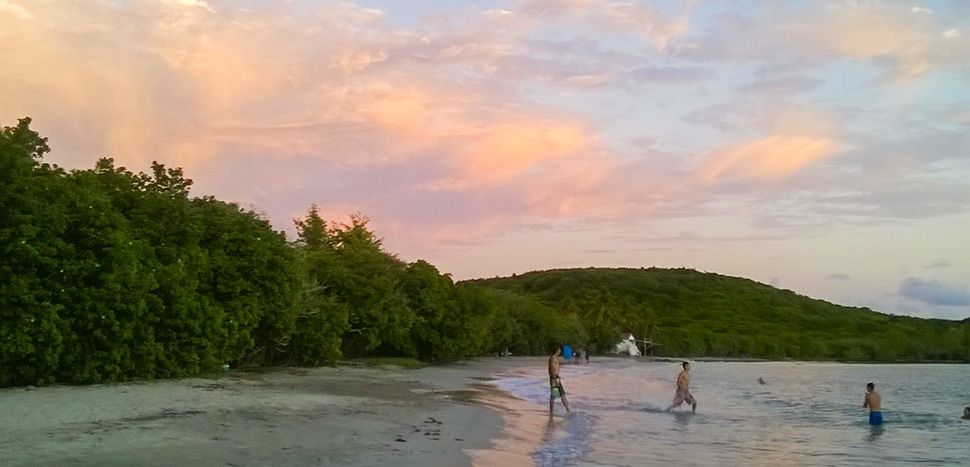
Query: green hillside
697, 314
112, 275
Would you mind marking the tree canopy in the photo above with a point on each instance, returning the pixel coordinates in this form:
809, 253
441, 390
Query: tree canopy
108, 275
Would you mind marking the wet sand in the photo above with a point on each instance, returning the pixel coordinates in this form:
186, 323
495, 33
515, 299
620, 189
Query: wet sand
438, 416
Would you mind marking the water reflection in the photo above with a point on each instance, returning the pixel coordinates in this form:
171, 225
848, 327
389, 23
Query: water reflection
565, 439
875, 432
550, 430
683, 418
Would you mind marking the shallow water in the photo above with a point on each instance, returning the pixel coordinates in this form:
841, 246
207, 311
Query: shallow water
805, 414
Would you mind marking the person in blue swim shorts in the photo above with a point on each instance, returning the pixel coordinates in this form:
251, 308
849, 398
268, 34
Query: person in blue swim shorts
874, 403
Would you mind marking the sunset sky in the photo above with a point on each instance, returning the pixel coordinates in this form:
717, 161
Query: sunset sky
822, 147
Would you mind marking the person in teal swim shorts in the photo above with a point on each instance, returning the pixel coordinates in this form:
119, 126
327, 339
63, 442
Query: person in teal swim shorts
555, 384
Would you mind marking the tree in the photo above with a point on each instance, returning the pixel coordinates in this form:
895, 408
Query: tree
368, 284
321, 317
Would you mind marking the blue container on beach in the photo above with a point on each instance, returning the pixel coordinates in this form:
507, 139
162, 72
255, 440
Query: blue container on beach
567, 352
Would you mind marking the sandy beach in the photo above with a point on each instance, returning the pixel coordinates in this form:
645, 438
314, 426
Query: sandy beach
437, 416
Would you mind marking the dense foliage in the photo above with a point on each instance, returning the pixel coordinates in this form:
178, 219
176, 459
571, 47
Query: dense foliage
107, 275
703, 314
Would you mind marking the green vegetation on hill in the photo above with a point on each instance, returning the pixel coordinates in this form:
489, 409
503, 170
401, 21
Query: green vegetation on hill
109, 275
709, 315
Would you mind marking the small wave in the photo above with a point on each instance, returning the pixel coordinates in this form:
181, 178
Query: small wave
653, 409
915, 419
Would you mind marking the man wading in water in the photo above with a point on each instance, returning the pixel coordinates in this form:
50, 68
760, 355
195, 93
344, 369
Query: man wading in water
683, 394
555, 384
874, 403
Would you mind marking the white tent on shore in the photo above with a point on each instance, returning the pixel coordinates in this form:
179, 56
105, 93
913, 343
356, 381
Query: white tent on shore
628, 346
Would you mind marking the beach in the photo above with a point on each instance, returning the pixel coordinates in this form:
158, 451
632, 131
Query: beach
447, 415
493, 413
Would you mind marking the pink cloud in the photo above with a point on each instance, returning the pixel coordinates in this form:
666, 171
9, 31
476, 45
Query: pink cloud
506, 150
430, 130
771, 159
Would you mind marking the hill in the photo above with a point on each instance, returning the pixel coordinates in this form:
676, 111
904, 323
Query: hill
111, 275
697, 314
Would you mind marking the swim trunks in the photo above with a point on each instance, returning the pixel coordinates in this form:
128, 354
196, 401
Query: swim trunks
683, 396
555, 388
875, 418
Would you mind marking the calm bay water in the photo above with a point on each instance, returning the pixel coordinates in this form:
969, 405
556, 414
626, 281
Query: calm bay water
805, 414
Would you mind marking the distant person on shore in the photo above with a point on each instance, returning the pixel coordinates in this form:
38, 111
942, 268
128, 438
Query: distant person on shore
874, 403
683, 392
555, 383
966, 413
586, 353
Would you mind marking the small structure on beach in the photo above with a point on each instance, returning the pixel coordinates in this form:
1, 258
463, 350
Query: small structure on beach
634, 347
628, 346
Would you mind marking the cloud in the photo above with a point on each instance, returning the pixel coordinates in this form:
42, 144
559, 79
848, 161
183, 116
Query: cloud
772, 158
15, 9
646, 22
934, 293
865, 34
884, 34
464, 128
587, 80
770, 113
151, 77
195, 3
916, 175
650, 74
650, 24
937, 265
311, 97
725, 117
838, 277
499, 13
503, 151
787, 85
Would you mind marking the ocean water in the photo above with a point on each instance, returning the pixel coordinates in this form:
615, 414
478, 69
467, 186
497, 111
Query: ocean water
805, 414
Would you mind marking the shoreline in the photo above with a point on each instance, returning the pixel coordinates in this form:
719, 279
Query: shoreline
766, 360
447, 415
523, 423
444, 415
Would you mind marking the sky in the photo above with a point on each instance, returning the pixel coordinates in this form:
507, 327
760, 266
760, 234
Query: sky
817, 146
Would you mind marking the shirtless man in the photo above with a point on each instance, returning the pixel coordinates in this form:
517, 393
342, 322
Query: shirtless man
874, 403
683, 394
555, 384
